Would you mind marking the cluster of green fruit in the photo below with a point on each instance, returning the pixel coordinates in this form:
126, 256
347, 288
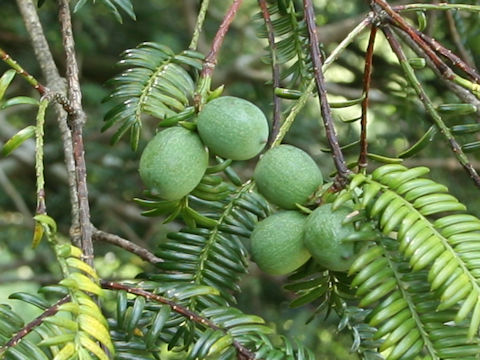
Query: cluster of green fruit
284, 241
175, 160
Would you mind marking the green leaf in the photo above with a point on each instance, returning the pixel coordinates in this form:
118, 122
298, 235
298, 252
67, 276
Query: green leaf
18, 139
79, 281
5, 81
19, 100
66, 353
424, 141
457, 109
95, 329
30, 299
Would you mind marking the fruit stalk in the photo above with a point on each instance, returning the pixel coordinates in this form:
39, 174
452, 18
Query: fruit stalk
211, 58
337, 154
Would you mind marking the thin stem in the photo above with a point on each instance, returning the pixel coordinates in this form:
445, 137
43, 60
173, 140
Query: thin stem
39, 133
440, 6
275, 71
199, 25
42, 90
308, 91
325, 110
211, 59
52, 310
99, 235
77, 119
430, 108
367, 76
243, 352
22, 72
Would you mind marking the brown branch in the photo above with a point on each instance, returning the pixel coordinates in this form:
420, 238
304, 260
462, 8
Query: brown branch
211, 59
99, 235
52, 310
400, 22
458, 90
54, 82
275, 71
77, 120
337, 154
454, 59
243, 352
367, 76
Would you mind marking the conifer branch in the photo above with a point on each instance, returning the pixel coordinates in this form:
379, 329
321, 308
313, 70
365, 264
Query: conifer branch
243, 352
52, 310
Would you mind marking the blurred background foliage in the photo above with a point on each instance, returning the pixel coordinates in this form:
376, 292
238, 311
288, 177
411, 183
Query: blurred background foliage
396, 120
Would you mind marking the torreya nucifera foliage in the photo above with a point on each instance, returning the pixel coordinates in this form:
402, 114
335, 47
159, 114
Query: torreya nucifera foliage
243, 177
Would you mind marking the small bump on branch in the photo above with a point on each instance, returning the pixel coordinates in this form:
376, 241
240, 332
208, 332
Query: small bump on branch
52, 310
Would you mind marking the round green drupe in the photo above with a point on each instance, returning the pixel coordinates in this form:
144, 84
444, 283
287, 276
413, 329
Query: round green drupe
286, 175
233, 128
323, 237
173, 163
277, 243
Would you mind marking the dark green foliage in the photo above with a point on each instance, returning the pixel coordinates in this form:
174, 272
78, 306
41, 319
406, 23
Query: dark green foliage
155, 83
113, 6
291, 42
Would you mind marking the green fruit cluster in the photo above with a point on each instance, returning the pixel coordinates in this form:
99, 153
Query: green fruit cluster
283, 242
175, 160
